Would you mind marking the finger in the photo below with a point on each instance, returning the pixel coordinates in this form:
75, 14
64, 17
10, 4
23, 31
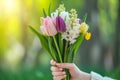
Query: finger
58, 73
52, 62
59, 77
66, 65
55, 69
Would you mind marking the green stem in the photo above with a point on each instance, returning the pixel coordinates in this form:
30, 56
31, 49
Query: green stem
57, 49
65, 54
51, 51
65, 78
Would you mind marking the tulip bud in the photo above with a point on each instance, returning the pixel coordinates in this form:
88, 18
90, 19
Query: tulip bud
48, 26
60, 24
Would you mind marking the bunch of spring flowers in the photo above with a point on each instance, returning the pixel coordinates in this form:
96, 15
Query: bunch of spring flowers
61, 34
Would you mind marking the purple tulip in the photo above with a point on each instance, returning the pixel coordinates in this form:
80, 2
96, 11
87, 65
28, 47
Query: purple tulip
60, 24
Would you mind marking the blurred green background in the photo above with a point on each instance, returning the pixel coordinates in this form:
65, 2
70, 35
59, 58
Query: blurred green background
21, 55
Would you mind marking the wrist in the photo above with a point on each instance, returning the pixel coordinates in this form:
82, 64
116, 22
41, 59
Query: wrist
84, 76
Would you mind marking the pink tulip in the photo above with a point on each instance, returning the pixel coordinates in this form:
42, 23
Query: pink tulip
48, 26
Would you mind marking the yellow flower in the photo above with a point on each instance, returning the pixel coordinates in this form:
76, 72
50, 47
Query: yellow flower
83, 28
88, 36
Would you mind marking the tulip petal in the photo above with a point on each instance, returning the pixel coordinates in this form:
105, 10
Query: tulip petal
60, 24
48, 27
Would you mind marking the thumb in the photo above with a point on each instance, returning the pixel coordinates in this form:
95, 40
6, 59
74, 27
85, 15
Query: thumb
66, 65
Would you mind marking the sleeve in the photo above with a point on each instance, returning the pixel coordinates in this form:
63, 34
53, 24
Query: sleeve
96, 76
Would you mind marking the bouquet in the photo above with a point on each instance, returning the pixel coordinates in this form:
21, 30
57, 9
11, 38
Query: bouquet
61, 34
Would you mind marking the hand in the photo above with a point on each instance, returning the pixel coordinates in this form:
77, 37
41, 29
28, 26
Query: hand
76, 74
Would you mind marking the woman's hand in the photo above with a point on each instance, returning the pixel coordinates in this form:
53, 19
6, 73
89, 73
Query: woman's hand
76, 74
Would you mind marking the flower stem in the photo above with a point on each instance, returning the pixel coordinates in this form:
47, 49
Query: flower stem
51, 51
57, 49
65, 78
65, 54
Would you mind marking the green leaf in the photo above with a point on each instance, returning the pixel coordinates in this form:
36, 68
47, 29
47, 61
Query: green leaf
78, 42
74, 47
85, 17
60, 43
49, 10
70, 54
45, 15
52, 51
42, 38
